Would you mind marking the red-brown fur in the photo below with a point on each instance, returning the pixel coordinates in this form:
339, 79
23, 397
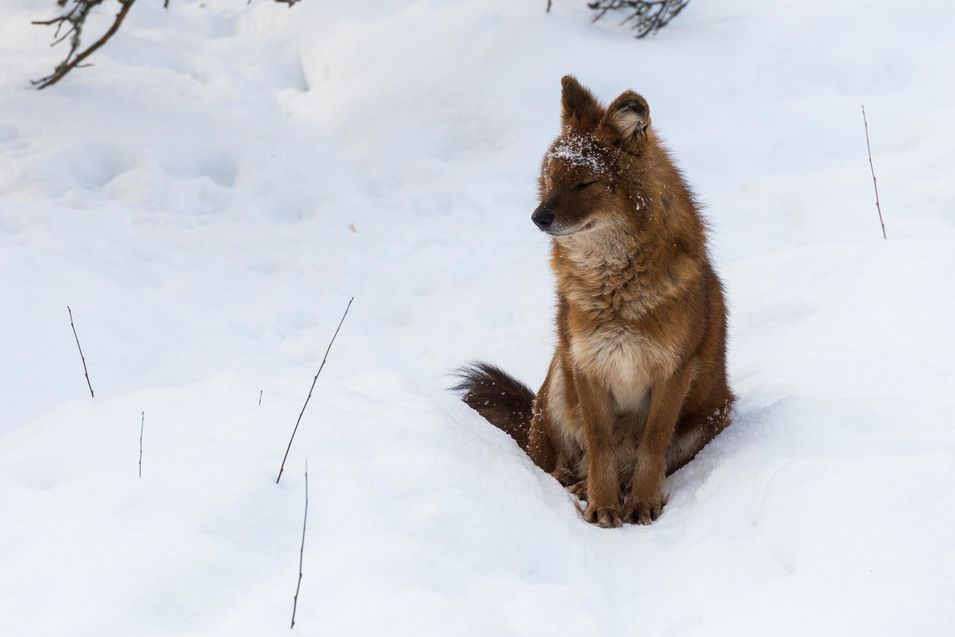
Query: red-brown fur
637, 384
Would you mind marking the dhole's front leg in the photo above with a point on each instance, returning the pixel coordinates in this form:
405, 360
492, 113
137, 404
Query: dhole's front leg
647, 489
603, 483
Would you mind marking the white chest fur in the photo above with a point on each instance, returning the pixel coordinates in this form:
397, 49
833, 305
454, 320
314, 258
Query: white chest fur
623, 361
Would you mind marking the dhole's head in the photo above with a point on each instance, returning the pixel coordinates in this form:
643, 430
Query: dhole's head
587, 174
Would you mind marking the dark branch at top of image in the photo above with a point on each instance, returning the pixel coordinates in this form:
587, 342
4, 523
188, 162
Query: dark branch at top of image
645, 16
69, 28
73, 21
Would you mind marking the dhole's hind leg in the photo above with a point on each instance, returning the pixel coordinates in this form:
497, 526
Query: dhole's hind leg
540, 447
694, 432
566, 468
579, 489
552, 456
548, 449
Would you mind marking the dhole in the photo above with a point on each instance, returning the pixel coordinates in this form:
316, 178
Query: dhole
637, 384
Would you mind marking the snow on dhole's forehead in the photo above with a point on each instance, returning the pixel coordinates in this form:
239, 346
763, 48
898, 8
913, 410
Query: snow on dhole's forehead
578, 151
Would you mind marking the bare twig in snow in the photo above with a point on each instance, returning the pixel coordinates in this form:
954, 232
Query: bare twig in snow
260, 398
142, 421
82, 358
875, 186
301, 551
311, 389
549, 2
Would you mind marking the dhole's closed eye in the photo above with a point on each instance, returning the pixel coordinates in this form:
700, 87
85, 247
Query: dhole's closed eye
584, 184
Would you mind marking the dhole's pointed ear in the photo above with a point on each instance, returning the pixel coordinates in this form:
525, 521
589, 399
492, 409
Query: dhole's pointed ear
579, 109
629, 117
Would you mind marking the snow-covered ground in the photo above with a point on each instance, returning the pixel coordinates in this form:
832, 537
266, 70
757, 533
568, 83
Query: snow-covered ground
208, 196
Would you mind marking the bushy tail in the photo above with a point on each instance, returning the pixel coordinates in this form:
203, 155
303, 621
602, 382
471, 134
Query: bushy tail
504, 401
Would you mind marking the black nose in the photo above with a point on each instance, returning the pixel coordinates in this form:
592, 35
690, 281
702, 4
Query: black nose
543, 217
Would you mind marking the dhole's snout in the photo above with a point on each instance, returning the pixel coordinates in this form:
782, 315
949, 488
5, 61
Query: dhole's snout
543, 217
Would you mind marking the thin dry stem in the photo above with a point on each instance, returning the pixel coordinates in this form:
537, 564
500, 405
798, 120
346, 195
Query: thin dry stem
875, 185
301, 551
311, 389
142, 421
82, 358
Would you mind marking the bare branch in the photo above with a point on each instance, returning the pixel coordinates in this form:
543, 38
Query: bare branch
646, 16
307, 398
301, 551
875, 186
82, 358
76, 18
260, 398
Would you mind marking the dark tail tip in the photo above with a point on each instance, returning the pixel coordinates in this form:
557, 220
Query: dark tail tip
504, 401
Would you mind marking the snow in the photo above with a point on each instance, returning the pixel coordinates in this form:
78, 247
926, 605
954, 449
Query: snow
577, 151
208, 196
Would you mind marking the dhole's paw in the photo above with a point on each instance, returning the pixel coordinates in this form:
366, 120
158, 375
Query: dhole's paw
645, 510
579, 489
606, 517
